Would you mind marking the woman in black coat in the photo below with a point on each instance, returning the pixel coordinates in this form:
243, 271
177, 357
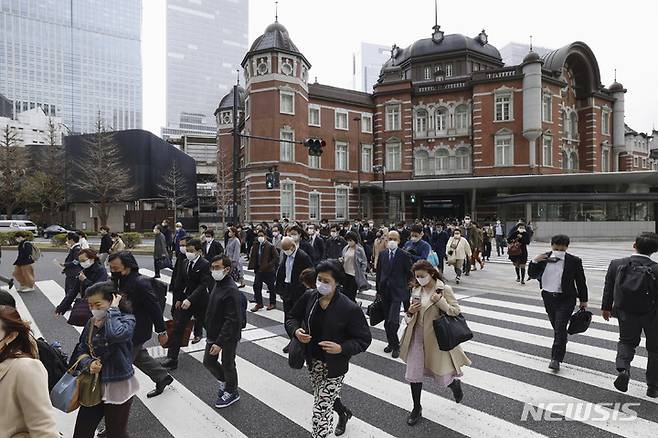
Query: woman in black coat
331, 329
92, 272
517, 250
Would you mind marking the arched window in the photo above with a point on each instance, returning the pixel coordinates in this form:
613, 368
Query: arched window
565, 160
565, 124
441, 160
421, 121
461, 118
441, 120
573, 124
574, 161
462, 159
421, 162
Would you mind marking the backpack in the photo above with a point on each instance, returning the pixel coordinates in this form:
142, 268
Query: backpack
53, 359
243, 310
433, 259
36, 253
636, 285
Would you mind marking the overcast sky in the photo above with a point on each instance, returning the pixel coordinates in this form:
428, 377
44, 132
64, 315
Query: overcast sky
622, 35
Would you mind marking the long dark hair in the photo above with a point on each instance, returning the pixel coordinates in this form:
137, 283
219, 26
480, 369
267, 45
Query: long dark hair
21, 346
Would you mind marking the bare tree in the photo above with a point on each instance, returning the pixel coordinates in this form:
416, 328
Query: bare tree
13, 166
100, 172
175, 187
223, 176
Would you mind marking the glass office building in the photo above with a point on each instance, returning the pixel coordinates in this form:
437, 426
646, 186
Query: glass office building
206, 41
73, 58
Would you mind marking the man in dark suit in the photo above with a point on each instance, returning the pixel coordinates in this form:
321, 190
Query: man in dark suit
632, 321
211, 247
561, 278
71, 266
316, 242
263, 260
439, 241
191, 300
288, 285
392, 284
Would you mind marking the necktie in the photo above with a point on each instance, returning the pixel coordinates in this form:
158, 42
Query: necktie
390, 255
189, 270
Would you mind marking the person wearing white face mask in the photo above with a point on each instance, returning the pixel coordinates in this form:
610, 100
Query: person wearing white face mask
431, 299
160, 254
392, 280
263, 260
223, 326
331, 329
517, 250
92, 272
457, 251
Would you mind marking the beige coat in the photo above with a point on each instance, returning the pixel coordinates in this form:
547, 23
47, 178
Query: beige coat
461, 252
439, 362
26, 410
117, 246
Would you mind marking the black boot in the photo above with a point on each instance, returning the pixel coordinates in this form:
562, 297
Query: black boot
343, 418
415, 416
518, 273
621, 382
522, 275
456, 388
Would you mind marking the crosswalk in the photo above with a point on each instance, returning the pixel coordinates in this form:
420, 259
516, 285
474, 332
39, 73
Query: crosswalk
509, 374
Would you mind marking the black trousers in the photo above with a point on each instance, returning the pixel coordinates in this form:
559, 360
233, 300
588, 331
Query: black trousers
559, 309
146, 364
269, 279
226, 371
116, 420
500, 245
487, 250
182, 317
392, 322
630, 330
349, 287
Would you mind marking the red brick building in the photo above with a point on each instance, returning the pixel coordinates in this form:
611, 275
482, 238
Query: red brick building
456, 131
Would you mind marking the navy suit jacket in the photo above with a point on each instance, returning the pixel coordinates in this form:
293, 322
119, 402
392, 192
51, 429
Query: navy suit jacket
393, 276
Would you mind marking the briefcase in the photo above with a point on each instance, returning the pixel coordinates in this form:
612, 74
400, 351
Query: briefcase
186, 332
376, 311
579, 321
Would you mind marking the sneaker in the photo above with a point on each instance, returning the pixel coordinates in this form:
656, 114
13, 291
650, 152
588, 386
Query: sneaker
227, 399
257, 307
621, 382
222, 388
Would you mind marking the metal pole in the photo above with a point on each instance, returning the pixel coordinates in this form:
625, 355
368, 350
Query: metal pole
236, 148
384, 191
358, 170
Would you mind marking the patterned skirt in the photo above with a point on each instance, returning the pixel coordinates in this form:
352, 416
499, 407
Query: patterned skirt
416, 371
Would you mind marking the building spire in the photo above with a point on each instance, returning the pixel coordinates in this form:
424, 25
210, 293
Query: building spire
531, 43
615, 75
436, 13
237, 74
276, 11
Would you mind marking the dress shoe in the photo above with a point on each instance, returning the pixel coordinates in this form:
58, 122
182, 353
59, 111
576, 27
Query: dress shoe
10, 285
196, 339
388, 349
257, 307
160, 387
271, 307
457, 392
395, 353
342, 422
415, 416
286, 349
652, 391
169, 364
240, 287
554, 365
621, 382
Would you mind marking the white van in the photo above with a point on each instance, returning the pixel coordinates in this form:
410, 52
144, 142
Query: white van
11, 226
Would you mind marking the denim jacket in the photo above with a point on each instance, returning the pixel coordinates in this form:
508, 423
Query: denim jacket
112, 344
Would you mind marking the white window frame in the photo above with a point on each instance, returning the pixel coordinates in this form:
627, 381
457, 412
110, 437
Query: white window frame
427, 73
342, 144
547, 143
290, 94
393, 166
284, 145
341, 112
448, 71
462, 115
366, 164
313, 107
314, 162
605, 122
426, 160
247, 108
499, 116
393, 117
366, 127
314, 198
441, 114
343, 212
502, 159
465, 167
424, 120
284, 185
573, 133
547, 107
442, 160
605, 164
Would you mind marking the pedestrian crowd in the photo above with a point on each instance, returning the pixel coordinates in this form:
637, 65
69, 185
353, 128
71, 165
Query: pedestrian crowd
319, 271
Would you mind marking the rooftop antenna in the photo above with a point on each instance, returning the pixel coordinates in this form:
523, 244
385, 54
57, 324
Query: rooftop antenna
531, 43
276, 11
237, 73
615, 75
436, 13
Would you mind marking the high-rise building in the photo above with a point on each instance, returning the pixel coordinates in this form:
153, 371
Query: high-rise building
75, 59
368, 63
206, 41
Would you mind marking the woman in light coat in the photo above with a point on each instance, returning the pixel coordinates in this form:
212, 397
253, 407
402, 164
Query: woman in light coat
26, 409
117, 244
431, 299
355, 265
381, 243
233, 247
457, 250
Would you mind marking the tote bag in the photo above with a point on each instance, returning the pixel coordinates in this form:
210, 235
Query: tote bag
451, 331
80, 313
65, 396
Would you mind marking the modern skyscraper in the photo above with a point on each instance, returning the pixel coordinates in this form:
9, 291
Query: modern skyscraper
205, 44
74, 59
367, 65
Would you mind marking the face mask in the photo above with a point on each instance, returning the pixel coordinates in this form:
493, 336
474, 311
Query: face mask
261, 239
275, 233
116, 276
415, 239
559, 254
323, 288
392, 244
311, 232
467, 221
334, 234
423, 280
218, 275
190, 255
99, 313
86, 264
156, 231
295, 238
178, 228
182, 249
288, 252
351, 243
457, 236
521, 230
371, 224
497, 222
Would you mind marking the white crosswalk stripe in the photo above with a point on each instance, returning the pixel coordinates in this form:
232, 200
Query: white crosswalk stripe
495, 319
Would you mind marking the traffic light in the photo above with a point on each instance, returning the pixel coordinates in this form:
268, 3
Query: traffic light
275, 177
412, 199
315, 146
269, 180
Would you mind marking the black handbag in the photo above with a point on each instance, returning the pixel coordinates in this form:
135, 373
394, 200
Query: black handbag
579, 321
451, 331
376, 311
164, 263
80, 313
296, 357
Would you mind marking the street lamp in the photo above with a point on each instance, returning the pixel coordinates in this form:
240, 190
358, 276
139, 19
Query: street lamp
358, 169
379, 168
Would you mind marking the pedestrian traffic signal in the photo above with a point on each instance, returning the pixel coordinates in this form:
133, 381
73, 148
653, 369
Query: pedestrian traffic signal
315, 146
275, 176
412, 199
269, 180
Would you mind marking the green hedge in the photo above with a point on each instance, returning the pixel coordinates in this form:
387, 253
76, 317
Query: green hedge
131, 239
58, 239
9, 239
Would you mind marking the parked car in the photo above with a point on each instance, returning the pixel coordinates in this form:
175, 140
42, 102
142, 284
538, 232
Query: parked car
12, 226
50, 231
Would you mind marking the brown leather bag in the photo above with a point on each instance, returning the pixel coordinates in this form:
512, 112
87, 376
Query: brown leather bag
186, 332
515, 248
